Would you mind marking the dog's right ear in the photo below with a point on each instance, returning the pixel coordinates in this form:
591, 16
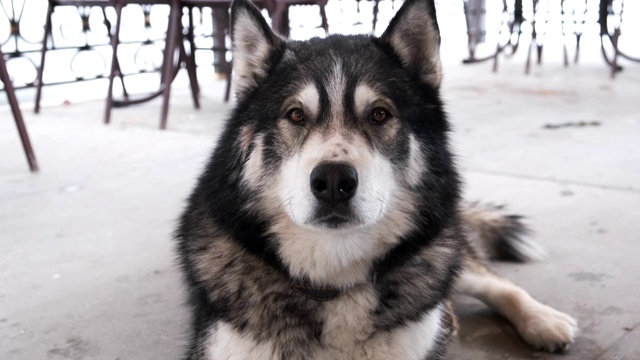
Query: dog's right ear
253, 45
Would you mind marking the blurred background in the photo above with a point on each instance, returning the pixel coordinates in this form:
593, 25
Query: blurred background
109, 109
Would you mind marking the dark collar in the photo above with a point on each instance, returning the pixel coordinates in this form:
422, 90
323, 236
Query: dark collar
316, 293
325, 293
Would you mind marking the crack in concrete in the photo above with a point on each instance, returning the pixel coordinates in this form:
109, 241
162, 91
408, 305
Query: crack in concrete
555, 181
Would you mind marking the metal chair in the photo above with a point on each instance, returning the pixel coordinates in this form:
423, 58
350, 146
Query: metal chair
221, 21
174, 42
48, 34
220, 18
169, 69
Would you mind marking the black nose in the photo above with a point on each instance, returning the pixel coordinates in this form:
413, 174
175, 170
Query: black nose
334, 182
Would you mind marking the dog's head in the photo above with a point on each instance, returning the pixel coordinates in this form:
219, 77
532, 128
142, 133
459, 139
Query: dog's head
341, 141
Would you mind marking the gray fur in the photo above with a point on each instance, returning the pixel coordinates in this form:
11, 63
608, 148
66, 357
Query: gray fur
254, 233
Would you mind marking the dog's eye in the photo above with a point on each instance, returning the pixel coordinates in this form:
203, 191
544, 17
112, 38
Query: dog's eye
296, 115
379, 115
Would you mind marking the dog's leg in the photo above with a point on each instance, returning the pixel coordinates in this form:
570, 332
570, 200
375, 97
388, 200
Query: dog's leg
539, 324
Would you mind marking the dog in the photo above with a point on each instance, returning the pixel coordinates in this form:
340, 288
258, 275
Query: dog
328, 222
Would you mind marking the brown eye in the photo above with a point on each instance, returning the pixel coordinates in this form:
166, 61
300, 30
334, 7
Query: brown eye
296, 115
379, 115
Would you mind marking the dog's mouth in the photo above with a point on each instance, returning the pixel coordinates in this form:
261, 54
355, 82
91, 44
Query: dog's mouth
333, 217
333, 221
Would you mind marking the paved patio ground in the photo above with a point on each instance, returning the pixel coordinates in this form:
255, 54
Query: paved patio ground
86, 261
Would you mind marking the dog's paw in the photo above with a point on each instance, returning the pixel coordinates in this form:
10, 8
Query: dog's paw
547, 329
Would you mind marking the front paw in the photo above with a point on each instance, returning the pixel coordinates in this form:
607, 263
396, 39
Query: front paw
547, 329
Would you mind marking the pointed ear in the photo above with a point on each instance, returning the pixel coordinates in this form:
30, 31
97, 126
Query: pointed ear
414, 36
253, 45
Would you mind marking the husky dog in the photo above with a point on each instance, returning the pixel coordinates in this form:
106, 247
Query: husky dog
327, 224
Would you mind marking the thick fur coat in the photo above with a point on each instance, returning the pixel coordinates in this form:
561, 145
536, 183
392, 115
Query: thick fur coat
327, 223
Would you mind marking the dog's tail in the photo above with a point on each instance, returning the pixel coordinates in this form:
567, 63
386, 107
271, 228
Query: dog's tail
499, 236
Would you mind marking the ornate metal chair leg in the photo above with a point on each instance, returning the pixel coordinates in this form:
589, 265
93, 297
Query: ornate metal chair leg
527, 67
323, 15
577, 55
614, 63
280, 18
114, 62
227, 92
173, 33
376, 8
539, 54
189, 60
495, 59
17, 115
47, 33
192, 44
119, 72
220, 18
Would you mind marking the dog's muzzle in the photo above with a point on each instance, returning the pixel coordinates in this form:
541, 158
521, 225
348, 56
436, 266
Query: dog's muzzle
333, 184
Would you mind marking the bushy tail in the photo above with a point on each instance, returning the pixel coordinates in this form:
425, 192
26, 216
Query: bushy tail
499, 236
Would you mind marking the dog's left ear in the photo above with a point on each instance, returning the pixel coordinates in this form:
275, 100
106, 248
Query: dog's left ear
253, 45
414, 36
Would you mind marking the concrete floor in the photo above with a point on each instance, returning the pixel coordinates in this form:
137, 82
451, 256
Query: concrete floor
86, 261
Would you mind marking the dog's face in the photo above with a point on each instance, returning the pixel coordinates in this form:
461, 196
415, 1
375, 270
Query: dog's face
343, 153
343, 136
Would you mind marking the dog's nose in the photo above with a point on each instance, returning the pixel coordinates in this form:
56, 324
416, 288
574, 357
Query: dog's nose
334, 182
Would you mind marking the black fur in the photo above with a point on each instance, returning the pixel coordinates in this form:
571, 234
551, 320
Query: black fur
410, 280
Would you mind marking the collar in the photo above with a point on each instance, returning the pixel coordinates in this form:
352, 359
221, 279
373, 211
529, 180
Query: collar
326, 293
317, 294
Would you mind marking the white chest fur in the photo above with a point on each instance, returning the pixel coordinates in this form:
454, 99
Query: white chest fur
347, 335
